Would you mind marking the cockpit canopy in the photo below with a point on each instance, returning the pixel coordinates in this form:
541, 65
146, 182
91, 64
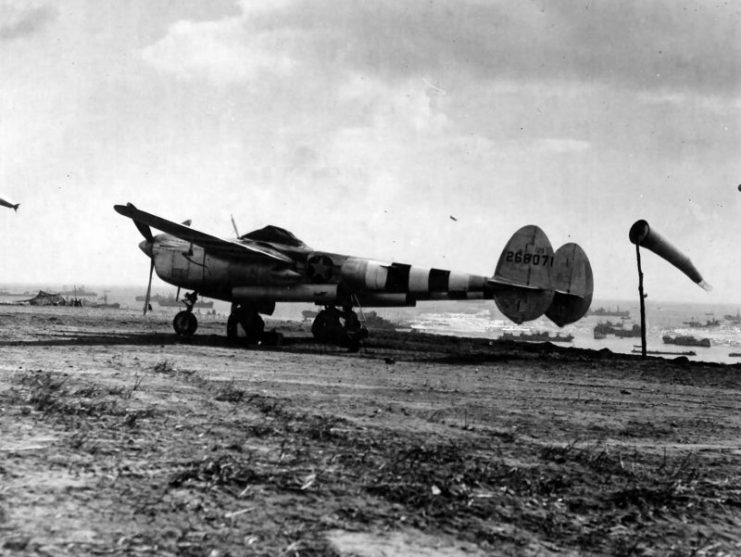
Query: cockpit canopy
275, 235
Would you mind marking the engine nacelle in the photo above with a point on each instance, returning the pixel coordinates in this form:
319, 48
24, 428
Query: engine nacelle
323, 294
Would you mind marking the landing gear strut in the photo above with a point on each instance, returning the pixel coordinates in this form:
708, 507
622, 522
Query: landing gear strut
185, 323
343, 328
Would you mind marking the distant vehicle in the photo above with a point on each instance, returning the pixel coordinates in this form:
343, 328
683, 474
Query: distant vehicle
686, 340
602, 312
270, 265
544, 336
103, 303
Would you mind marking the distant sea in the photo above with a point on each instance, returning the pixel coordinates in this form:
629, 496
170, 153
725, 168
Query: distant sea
662, 318
483, 320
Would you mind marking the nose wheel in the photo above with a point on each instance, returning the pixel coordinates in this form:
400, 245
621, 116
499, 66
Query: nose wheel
185, 323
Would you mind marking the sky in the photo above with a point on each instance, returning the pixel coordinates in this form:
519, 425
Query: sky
363, 127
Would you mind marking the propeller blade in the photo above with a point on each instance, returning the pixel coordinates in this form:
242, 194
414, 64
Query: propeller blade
145, 230
149, 287
177, 296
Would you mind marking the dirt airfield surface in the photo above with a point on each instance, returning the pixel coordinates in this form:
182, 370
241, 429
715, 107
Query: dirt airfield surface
118, 439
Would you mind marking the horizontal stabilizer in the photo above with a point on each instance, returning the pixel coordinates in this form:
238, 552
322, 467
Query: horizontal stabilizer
522, 304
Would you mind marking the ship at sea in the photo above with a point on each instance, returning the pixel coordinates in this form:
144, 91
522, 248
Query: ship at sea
698, 325
602, 312
686, 340
544, 336
733, 319
601, 330
79, 293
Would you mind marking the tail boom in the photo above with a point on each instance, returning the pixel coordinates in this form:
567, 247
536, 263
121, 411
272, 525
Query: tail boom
530, 280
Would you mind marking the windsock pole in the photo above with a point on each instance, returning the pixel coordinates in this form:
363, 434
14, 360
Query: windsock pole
643, 304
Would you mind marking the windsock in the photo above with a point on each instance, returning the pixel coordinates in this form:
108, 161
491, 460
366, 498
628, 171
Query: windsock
642, 235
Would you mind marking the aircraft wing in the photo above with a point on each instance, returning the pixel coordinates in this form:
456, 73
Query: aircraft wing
212, 244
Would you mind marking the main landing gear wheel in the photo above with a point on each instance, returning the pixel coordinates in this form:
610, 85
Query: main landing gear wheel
185, 323
327, 327
231, 326
332, 326
251, 322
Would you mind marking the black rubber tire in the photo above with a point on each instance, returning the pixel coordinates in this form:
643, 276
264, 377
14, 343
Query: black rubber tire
253, 326
185, 324
231, 326
319, 327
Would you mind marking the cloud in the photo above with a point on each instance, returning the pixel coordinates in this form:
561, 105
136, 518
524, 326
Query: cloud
561, 145
658, 46
412, 103
22, 18
219, 51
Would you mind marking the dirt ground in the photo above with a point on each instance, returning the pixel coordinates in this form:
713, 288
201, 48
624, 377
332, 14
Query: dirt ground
118, 439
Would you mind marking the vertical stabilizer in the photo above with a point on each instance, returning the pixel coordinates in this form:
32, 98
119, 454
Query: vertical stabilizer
522, 279
573, 283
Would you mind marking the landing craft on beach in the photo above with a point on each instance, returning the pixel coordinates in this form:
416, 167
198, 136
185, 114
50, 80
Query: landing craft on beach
9, 205
270, 265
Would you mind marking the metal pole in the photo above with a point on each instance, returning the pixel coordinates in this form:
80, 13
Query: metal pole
643, 305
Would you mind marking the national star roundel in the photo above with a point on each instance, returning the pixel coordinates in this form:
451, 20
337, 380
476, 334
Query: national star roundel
319, 268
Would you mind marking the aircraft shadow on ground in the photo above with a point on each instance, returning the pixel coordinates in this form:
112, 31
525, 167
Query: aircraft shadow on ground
450, 353
291, 342
148, 339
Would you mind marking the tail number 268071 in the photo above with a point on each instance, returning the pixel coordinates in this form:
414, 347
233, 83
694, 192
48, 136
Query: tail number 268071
528, 258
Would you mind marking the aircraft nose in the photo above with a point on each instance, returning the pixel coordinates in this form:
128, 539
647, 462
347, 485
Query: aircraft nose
146, 247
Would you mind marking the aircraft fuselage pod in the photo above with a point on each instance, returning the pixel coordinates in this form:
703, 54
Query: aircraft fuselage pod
271, 265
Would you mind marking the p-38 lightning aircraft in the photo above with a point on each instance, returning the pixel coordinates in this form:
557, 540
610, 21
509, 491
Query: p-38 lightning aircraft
9, 205
270, 265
